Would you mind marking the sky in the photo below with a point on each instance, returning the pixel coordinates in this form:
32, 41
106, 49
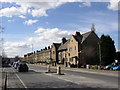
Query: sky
30, 26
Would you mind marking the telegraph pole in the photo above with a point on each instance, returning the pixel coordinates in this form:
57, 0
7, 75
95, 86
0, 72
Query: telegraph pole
1, 39
1, 45
100, 53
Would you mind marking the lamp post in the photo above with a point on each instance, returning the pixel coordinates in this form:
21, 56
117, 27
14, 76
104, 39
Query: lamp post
100, 53
33, 53
80, 58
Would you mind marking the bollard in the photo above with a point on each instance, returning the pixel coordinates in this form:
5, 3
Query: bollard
48, 68
88, 66
59, 70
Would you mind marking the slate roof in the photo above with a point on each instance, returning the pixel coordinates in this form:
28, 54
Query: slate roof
76, 38
63, 46
84, 36
56, 45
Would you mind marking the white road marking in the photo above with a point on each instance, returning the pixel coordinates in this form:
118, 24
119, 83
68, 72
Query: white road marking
20, 79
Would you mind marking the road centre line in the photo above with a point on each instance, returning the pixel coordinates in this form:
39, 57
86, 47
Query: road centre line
20, 79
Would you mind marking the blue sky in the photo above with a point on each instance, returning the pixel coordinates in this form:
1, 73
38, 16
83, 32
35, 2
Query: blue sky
41, 24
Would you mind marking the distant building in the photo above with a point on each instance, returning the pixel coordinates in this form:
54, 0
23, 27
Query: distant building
44, 55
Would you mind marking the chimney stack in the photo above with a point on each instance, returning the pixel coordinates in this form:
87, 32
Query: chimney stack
63, 40
77, 34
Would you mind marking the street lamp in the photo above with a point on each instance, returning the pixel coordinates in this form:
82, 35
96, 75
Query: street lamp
80, 58
100, 53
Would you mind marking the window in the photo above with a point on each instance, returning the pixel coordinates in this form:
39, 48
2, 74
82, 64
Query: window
75, 47
53, 52
71, 59
70, 49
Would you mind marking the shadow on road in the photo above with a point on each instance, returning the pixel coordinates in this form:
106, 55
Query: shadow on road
29, 72
62, 89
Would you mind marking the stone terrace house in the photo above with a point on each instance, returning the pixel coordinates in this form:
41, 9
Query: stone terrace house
62, 52
80, 49
43, 56
25, 59
29, 58
54, 53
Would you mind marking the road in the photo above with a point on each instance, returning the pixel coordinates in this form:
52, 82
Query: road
38, 78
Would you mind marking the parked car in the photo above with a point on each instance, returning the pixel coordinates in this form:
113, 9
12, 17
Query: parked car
108, 67
111, 66
16, 65
22, 67
116, 68
5, 65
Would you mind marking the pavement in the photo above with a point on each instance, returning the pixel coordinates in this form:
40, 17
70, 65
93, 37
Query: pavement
0, 78
72, 78
94, 71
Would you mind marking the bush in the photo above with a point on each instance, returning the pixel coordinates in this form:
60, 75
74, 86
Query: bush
41, 62
73, 66
93, 66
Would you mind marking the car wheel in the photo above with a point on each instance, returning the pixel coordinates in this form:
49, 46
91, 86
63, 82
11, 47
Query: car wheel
111, 68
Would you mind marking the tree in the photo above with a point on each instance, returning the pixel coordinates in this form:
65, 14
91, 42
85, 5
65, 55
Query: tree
107, 50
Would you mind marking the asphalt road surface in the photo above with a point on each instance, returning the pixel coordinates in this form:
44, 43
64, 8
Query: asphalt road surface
38, 78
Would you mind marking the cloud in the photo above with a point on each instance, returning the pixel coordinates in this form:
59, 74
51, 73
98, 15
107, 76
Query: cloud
39, 8
49, 35
40, 30
88, 4
85, 4
30, 22
39, 13
113, 5
46, 36
36, 9
9, 12
16, 48
42, 37
10, 20
21, 16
